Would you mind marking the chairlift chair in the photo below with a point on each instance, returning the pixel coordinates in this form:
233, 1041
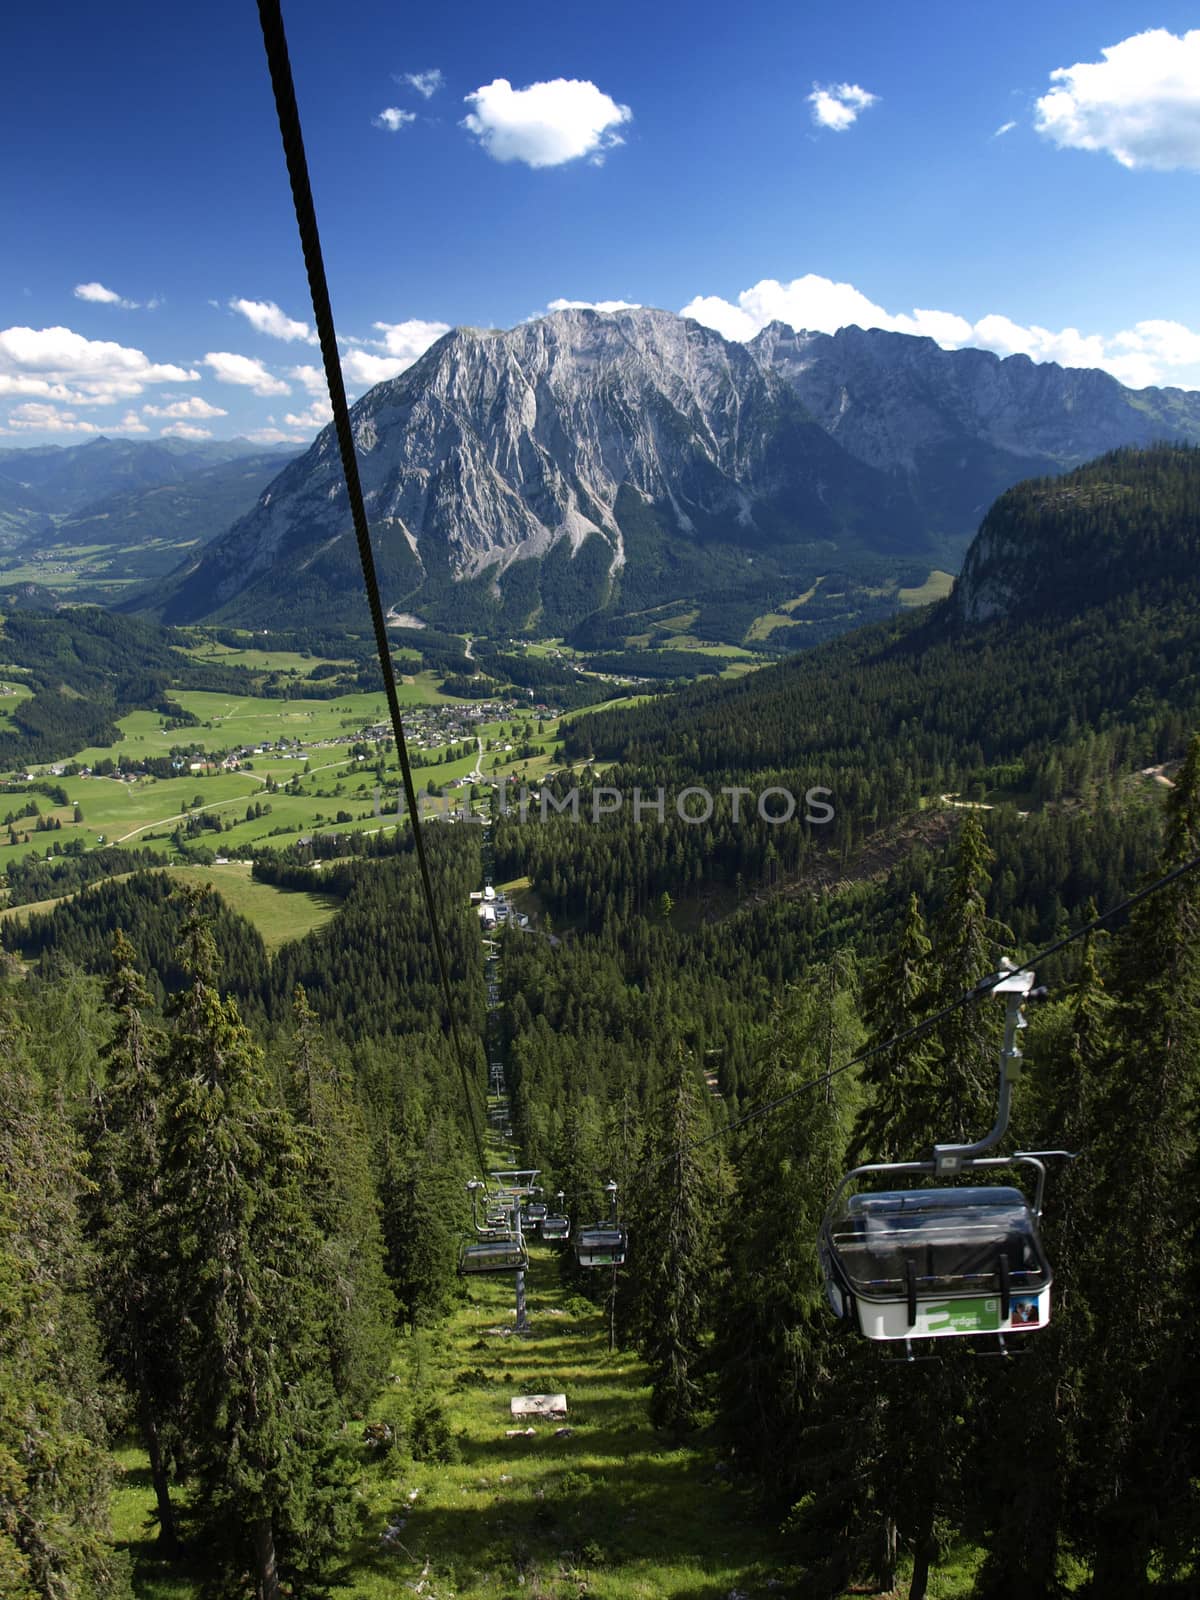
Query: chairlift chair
604, 1243
600, 1246
507, 1254
953, 1260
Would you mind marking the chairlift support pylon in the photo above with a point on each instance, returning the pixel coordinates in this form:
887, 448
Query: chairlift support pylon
952, 1260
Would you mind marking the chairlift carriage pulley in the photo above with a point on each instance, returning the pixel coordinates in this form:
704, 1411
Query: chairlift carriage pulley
946, 1261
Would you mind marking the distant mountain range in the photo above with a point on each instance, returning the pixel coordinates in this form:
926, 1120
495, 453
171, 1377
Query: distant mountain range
88, 493
607, 462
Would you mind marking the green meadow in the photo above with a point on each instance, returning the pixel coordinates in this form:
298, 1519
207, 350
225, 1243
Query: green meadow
596, 1504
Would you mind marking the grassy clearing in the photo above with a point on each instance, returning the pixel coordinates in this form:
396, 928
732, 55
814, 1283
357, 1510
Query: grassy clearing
936, 587
789, 606
769, 621
614, 1511
278, 914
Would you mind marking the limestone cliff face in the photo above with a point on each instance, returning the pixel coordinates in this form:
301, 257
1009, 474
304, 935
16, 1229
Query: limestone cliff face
962, 425
498, 447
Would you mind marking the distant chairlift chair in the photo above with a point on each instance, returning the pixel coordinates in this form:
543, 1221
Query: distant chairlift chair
604, 1243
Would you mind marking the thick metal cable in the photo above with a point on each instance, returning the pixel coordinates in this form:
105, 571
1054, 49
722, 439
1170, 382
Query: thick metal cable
275, 40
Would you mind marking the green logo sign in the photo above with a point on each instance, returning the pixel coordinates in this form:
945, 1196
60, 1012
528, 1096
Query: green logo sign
963, 1316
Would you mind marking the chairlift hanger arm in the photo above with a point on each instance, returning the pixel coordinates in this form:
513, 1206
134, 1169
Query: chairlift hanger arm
1016, 985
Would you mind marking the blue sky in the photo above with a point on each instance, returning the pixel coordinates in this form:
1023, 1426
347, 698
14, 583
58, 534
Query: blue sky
479, 162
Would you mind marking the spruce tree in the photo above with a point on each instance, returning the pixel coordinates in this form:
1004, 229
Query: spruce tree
895, 997
784, 1363
1027, 1490
340, 1193
270, 1486
1139, 1480
55, 1473
676, 1247
134, 1289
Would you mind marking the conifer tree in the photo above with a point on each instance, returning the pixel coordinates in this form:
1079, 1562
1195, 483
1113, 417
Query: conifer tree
55, 1474
1028, 1493
783, 1362
420, 1204
270, 1484
340, 1193
894, 1000
676, 1247
134, 1290
1139, 1481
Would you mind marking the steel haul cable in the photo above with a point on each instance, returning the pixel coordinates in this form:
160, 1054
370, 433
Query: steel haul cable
275, 40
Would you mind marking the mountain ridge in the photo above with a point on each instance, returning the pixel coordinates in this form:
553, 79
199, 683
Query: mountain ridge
677, 462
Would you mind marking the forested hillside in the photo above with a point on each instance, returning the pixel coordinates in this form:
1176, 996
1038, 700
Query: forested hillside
233, 1183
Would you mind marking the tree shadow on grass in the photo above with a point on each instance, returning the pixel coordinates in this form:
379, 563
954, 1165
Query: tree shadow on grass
645, 1511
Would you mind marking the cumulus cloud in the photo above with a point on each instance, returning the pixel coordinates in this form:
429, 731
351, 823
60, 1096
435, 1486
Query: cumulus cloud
426, 83
184, 430
132, 423
402, 344
266, 317
316, 416
48, 419
246, 371
545, 124
821, 305
837, 105
1153, 351
393, 119
193, 407
59, 364
408, 340
99, 295
311, 378
1141, 103
594, 305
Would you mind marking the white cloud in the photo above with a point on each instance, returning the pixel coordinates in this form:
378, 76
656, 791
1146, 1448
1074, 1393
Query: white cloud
132, 423
246, 371
316, 416
312, 378
266, 317
364, 370
48, 419
402, 342
410, 339
99, 295
184, 430
1005, 127
58, 364
820, 305
193, 407
277, 436
393, 119
1153, 351
837, 105
594, 305
425, 83
546, 123
1141, 104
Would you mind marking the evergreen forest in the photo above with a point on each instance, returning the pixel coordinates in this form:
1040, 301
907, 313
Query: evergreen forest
233, 1183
